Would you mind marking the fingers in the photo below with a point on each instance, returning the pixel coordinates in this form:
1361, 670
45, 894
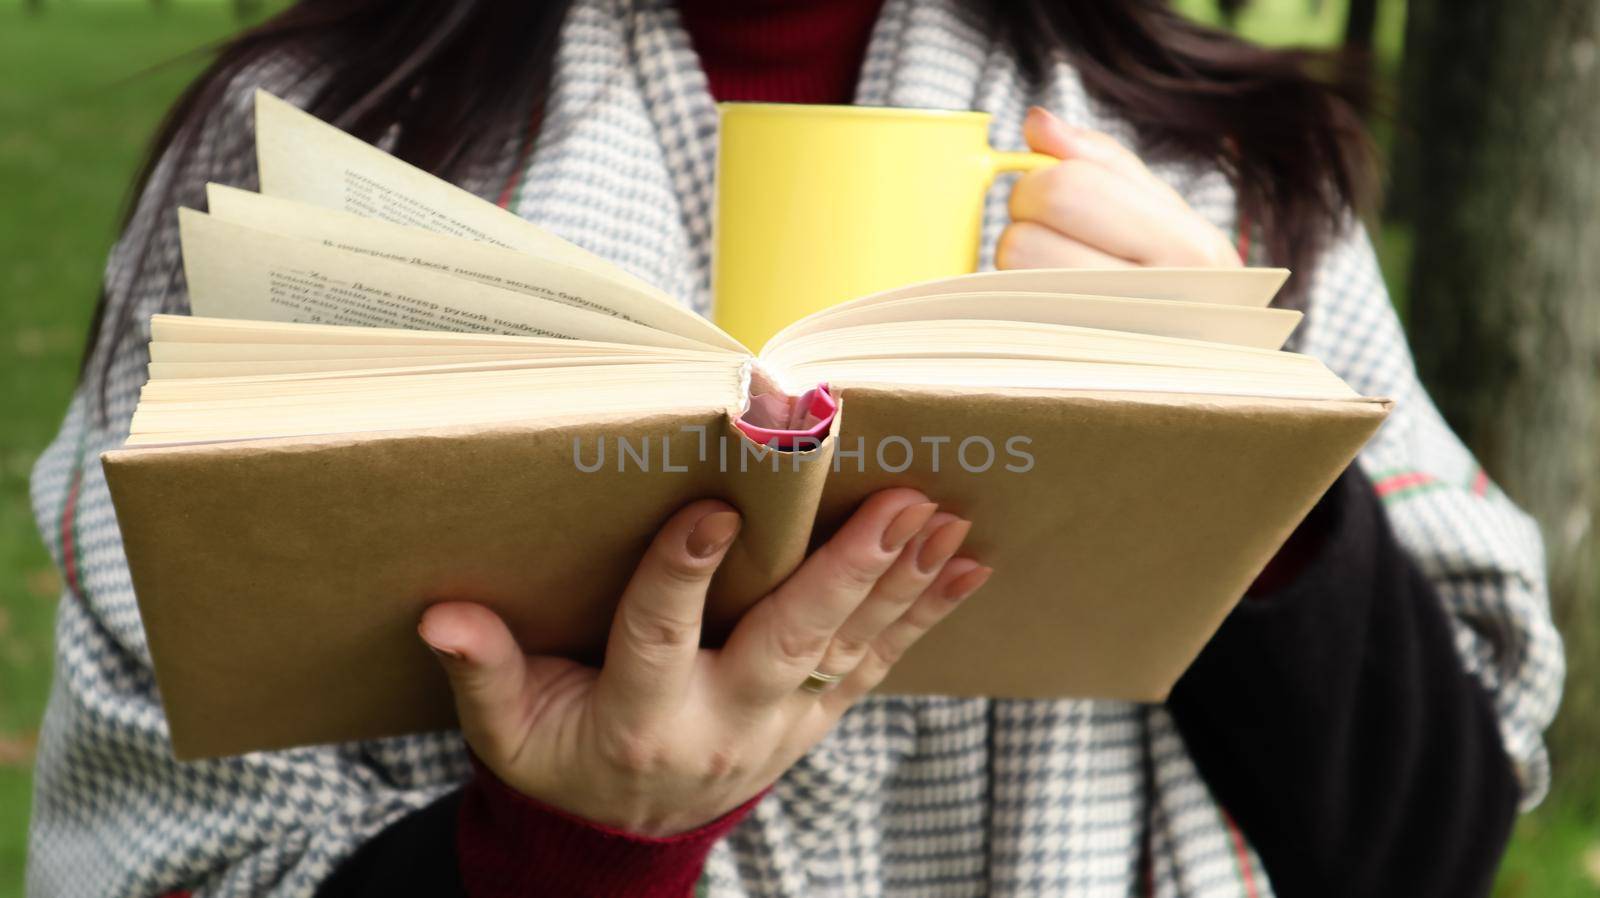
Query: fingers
1047, 133
1107, 210
1104, 198
1026, 244
914, 571
782, 639
655, 635
959, 579
487, 671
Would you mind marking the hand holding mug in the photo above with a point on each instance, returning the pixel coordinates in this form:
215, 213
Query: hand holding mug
1100, 207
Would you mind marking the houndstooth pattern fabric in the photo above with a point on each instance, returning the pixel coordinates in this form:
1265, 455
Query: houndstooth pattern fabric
909, 796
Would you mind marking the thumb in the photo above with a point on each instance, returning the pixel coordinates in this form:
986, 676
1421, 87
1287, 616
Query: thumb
488, 672
1048, 134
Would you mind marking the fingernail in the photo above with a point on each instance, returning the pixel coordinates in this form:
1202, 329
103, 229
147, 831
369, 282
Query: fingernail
451, 654
1050, 118
967, 584
942, 545
713, 533
906, 524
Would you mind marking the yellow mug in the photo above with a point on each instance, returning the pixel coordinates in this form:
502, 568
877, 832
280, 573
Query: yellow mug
820, 204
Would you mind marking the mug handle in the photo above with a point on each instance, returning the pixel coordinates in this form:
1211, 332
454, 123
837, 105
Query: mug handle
1000, 161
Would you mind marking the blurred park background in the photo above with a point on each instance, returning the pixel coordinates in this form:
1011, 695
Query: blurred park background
1489, 239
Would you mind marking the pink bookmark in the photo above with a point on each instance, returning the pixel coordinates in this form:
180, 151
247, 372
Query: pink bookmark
789, 424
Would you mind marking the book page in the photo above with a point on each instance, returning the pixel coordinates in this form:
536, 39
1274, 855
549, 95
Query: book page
434, 396
215, 339
173, 370
1253, 287
1255, 328
164, 351
483, 262
1245, 288
305, 159
239, 272
223, 350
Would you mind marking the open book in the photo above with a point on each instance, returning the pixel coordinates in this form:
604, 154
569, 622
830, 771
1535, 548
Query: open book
392, 392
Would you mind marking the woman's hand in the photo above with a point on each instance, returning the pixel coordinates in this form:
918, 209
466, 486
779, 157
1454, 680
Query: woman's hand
1101, 208
668, 736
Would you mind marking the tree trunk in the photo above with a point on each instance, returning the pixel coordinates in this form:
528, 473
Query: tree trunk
1230, 10
1361, 24
1356, 57
1501, 99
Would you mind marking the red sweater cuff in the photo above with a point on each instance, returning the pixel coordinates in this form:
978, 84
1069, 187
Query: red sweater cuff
511, 846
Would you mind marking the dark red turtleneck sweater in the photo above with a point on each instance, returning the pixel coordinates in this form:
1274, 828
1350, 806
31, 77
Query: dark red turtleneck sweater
781, 51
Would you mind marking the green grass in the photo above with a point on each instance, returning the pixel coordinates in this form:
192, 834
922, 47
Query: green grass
71, 131
1310, 23
72, 128
1556, 851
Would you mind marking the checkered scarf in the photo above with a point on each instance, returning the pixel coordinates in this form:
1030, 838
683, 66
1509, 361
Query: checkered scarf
909, 796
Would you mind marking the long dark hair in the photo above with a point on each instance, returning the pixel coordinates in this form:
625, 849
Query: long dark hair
431, 75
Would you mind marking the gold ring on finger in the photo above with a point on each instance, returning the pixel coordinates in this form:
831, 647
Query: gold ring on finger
818, 682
